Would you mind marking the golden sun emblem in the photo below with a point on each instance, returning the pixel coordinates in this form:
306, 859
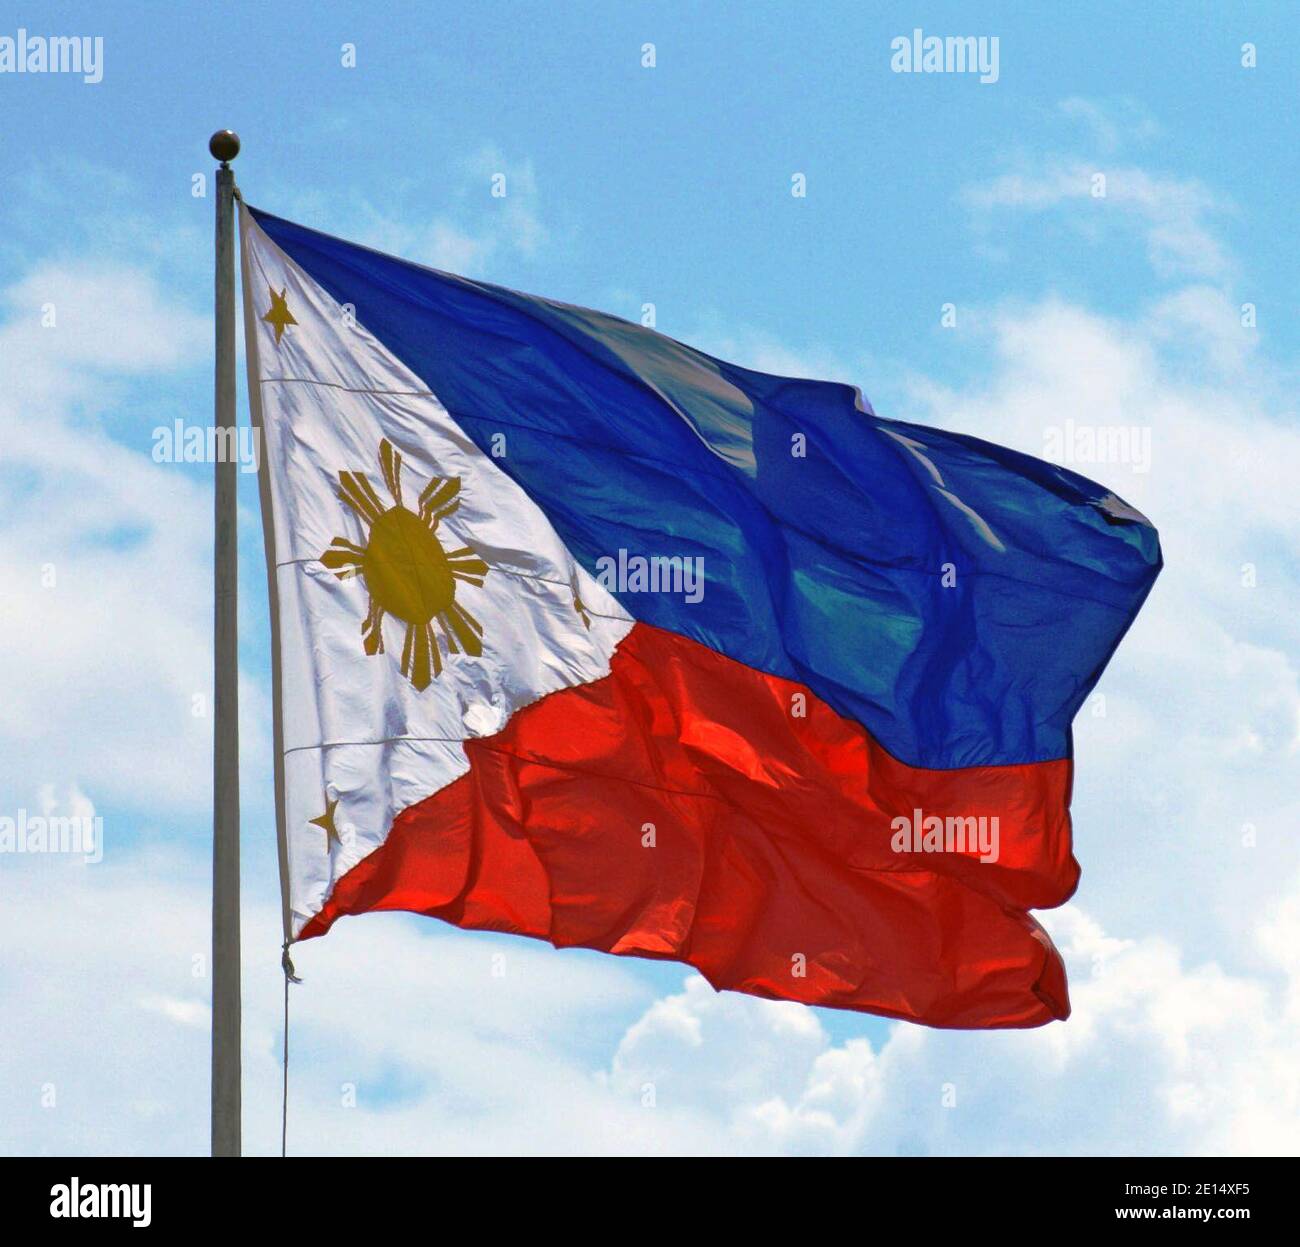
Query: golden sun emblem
407, 573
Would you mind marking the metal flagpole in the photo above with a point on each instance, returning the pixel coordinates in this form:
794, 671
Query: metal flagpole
224, 146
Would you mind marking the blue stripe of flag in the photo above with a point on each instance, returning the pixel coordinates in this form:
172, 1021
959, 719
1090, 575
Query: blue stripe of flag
956, 598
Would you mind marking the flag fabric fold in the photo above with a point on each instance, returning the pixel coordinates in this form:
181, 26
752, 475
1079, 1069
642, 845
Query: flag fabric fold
587, 636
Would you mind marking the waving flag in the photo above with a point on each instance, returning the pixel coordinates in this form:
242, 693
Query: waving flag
585, 635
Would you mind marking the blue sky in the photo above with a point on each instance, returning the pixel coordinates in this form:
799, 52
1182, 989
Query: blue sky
669, 185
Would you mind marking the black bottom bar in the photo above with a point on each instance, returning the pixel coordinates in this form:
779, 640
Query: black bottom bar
326, 1198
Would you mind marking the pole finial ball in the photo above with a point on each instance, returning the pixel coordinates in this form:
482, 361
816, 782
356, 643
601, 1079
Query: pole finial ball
224, 145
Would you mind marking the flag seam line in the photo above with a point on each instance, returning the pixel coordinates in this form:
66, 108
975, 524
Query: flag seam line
252, 363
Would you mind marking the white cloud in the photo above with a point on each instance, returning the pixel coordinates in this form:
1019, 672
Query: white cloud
498, 194
68, 327
681, 1048
459, 1043
1173, 214
445, 1042
1112, 123
73, 803
191, 1013
1158, 1058
105, 554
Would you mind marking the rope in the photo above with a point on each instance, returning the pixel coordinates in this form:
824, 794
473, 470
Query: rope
286, 964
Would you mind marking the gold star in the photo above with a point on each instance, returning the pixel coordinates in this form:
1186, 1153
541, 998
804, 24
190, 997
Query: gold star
579, 605
326, 823
279, 317
582, 612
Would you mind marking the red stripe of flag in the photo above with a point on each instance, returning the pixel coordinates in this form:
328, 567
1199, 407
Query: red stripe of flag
771, 869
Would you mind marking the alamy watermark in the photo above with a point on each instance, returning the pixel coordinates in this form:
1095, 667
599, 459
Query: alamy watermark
127, 1201
53, 833
954, 833
207, 443
1099, 443
945, 54
657, 573
53, 54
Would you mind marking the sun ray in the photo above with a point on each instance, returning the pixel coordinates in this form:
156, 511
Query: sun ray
421, 660
357, 492
344, 558
390, 463
469, 619
371, 492
465, 626
372, 629
448, 635
440, 498
466, 565
407, 646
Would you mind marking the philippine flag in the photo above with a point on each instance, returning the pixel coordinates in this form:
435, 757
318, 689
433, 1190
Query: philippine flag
582, 634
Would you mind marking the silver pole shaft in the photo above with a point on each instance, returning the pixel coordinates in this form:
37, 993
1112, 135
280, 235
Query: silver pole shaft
225, 751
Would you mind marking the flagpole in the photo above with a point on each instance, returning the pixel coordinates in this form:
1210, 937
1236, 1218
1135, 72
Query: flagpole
224, 146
